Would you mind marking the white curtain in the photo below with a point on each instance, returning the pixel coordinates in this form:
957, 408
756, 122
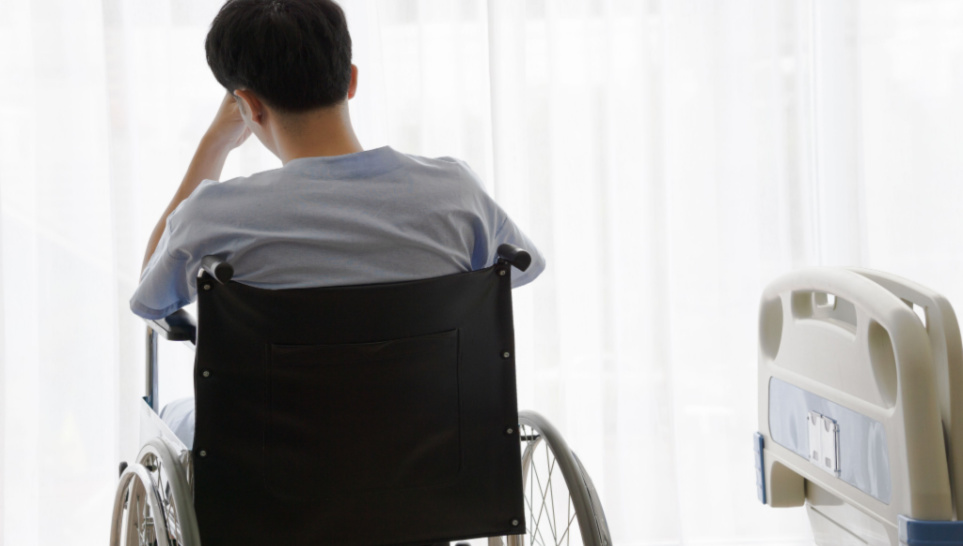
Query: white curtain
670, 157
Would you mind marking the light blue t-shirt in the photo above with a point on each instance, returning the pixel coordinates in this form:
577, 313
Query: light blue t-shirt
371, 217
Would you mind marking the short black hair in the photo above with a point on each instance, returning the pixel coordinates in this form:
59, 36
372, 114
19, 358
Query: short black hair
295, 55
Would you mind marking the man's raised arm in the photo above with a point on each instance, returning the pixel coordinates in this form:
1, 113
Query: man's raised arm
226, 132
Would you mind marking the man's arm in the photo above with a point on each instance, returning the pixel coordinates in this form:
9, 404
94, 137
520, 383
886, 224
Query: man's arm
226, 132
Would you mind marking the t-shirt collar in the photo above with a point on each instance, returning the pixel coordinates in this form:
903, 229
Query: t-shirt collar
364, 164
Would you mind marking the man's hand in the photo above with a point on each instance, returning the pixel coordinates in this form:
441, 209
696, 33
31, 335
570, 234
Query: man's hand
228, 128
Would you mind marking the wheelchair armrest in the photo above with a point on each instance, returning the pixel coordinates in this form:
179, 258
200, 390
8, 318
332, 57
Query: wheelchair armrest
515, 256
177, 326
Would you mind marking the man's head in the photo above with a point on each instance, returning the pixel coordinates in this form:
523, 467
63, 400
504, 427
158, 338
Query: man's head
294, 55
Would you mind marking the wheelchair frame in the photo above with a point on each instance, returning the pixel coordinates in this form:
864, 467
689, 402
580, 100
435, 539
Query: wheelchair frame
154, 499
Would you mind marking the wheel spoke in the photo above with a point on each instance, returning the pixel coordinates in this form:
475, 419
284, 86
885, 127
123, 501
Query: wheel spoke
541, 510
531, 490
551, 492
569, 538
541, 491
566, 535
170, 514
544, 480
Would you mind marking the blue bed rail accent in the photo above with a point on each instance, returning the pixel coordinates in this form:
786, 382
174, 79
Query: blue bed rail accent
758, 443
915, 532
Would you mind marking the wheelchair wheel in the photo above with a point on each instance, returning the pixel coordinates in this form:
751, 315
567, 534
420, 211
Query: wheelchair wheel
561, 504
138, 518
153, 504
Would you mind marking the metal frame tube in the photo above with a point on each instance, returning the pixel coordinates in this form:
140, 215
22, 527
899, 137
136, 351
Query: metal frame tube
151, 379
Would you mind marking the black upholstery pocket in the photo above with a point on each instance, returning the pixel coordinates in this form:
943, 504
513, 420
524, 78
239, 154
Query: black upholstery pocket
326, 431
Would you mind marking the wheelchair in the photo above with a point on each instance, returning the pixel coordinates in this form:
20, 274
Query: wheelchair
860, 382
361, 415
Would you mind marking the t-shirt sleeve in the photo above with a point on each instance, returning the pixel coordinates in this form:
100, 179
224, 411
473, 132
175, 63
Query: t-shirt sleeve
165, 285
510, 233
169, 281
497, 228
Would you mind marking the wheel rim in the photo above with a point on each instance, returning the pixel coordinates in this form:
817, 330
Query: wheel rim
153, 463
172, 476
137, 507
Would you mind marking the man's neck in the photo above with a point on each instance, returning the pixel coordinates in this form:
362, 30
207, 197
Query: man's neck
325, 132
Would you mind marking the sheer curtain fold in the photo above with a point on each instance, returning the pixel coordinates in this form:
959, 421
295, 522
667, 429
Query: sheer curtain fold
669, 157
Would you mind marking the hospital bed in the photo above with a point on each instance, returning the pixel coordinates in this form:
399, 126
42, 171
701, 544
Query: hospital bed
861, 407
379, 414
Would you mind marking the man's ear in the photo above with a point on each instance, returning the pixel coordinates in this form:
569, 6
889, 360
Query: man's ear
353, 86
252, 109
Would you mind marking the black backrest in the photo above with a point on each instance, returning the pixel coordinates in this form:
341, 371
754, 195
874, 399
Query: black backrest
379, 414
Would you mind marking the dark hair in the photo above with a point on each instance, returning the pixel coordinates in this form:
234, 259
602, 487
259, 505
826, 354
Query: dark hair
295, 55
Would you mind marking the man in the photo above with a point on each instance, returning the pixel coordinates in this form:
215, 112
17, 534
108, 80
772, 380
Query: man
334, 214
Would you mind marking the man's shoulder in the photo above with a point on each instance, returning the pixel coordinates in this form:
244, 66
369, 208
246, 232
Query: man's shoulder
451, 169
254, 180
211, 197
239, 186
443, 162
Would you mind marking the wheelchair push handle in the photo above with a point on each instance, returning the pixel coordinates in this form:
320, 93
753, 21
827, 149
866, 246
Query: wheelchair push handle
222, 271
180, 325
515, 256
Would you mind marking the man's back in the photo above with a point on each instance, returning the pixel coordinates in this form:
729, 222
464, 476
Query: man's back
370, 217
